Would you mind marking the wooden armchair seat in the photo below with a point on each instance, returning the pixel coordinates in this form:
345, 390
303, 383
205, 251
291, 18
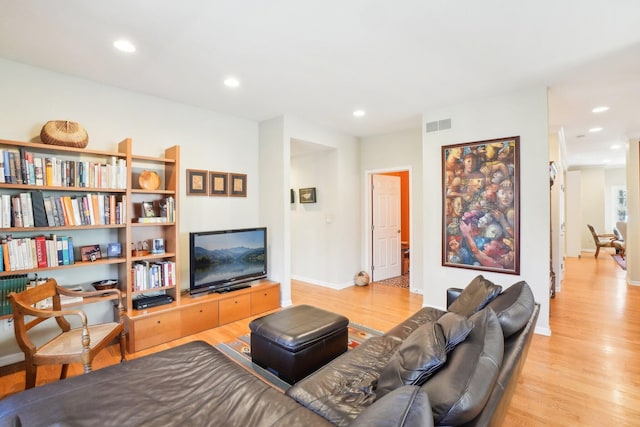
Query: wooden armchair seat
77, 345
601, 240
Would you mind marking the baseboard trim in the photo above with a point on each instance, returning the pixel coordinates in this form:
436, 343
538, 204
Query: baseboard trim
336, 286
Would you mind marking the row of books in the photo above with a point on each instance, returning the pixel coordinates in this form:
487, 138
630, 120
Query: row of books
20, 166
150, 275
35, 252
8, 284
33, 209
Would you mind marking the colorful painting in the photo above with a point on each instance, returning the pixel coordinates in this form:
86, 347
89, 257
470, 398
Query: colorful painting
481, 205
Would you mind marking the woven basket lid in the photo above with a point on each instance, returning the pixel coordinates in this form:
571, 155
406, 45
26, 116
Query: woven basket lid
64, 132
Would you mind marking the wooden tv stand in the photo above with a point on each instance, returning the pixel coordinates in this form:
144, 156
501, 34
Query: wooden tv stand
157, 325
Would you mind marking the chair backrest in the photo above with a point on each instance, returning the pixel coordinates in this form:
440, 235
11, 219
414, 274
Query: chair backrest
22, 305
621, 226
593, 232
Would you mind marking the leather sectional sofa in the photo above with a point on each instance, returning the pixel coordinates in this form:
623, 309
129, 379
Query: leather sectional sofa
436, 368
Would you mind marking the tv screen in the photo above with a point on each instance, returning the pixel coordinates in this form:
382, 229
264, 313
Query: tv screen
225, 260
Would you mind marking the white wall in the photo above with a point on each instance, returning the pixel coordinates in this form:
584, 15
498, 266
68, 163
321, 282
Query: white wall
30, 96
521, 114
334, 257
575, 224
632, 242
391, 152
312, 254
274, 176
209, 141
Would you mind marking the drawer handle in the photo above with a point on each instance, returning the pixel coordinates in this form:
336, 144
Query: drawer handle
158, 321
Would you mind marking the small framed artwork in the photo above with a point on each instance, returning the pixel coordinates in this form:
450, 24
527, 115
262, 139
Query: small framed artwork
147, 210
237, 185
218, 183
197, 182
90, 253
307, 195
114, 250
293, 196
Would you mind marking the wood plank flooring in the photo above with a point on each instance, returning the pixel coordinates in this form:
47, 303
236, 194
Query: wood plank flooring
587, 373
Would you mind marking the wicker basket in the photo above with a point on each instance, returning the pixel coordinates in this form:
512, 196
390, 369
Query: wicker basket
65, 133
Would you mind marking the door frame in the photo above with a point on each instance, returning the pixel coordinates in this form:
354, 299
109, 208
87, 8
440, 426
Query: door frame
368, 217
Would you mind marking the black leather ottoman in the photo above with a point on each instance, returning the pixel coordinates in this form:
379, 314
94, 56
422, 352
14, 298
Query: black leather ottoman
296, 341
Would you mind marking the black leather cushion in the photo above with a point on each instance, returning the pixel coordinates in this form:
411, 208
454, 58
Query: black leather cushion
475, 296
514, 307
417, 358
455, 328
460, 389
407, 406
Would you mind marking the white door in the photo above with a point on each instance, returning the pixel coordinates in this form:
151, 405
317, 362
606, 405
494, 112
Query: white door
386, 227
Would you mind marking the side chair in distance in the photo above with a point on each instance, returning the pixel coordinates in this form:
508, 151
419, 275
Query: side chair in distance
601, 240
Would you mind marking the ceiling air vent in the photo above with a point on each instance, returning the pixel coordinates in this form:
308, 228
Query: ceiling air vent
438, 125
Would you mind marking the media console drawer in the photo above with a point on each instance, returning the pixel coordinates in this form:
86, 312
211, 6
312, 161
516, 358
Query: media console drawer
265, 299
234, 308
152, 330
199, 317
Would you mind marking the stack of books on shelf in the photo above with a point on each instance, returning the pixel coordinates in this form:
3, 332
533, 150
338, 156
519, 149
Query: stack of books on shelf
8, 284
21, 166
33, 209
35, 252
150, 275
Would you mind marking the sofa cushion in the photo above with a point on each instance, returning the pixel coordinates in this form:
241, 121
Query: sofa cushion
460, 389
475, 296
406, 406
514, 307
455, 328
417, 358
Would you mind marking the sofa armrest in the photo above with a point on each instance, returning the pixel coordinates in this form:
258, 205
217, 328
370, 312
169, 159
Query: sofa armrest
406, 406
452, 295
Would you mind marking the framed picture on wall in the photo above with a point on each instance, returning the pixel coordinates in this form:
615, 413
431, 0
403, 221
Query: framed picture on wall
481, 205
237, 185
197, 182
218, 183
307, 195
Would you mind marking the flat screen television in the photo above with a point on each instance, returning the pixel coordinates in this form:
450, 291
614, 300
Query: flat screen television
225, 260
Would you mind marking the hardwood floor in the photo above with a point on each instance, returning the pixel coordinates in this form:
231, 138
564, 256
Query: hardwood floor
587, 373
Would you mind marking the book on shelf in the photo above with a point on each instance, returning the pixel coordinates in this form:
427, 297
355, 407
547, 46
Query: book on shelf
14, 283
36, 252
151, 275
22, 166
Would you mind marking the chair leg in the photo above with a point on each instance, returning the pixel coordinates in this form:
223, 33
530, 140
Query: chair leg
122, 347
63, 372
597, 251
30, 372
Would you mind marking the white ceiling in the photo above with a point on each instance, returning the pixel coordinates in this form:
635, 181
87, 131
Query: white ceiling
320, 60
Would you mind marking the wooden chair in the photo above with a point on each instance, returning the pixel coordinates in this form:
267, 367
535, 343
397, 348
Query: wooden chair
78, 345
601, 240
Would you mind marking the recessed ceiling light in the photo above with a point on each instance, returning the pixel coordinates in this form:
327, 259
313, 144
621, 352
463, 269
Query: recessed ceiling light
600, 109
615, 146
231, 82
606, 161
124, 46
359, 113
596, 129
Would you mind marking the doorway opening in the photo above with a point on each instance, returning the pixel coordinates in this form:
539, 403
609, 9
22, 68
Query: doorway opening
388, 222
